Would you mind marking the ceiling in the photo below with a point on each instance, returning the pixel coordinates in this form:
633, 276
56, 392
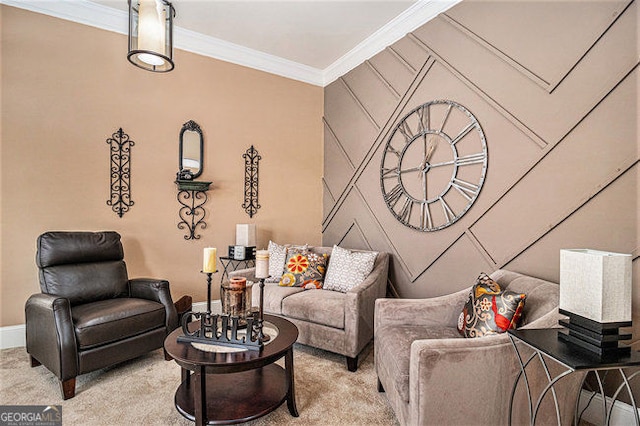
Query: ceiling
314, 41
313, 33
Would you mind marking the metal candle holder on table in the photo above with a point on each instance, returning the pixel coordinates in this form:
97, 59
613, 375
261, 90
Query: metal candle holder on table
222, 329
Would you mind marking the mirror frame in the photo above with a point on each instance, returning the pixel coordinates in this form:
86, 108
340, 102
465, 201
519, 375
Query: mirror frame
194, 127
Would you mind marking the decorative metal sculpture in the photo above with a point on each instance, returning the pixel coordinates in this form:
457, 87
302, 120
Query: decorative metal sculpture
251, 159
192, 197
120, 154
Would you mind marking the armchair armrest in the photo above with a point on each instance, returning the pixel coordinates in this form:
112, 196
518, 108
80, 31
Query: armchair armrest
446, 364
248, 273
435, 311
360, 306
158, 291
50, 336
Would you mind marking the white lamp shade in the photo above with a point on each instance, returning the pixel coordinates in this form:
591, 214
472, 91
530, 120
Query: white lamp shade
246, 234
596, 284
151, 34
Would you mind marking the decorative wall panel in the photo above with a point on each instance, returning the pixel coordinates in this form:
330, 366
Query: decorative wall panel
567, 34
392, 71
339, 170
351, 124
560, 121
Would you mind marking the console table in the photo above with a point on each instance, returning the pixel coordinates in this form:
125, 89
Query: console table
545, 342
230, 264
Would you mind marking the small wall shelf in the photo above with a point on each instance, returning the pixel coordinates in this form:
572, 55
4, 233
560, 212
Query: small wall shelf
192, 196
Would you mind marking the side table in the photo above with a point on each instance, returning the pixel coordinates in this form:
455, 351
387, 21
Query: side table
229, 264
545, 342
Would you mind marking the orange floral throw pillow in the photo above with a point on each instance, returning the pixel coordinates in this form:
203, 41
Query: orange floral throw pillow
304, 269
489, 309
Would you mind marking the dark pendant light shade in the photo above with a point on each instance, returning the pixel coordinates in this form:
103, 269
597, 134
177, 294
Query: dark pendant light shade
151, 34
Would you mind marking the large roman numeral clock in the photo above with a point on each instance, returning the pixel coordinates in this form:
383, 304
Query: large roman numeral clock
433, 165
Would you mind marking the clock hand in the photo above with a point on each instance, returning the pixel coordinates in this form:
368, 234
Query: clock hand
430, 148
424, 185
413, 169
444, 163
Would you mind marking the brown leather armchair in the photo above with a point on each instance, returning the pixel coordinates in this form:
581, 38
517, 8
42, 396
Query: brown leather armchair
89, 314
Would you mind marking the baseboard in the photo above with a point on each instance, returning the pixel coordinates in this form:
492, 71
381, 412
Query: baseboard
12, 336
621, 415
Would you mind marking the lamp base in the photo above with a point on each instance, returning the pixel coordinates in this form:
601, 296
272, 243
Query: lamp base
600, 338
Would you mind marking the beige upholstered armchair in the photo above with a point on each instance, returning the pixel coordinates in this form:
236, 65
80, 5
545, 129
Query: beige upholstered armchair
434, 376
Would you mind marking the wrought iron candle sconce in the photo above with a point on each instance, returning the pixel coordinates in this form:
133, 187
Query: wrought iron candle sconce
120, 172
251, 162
192, 196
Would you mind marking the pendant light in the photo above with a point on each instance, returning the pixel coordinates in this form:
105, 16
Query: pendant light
151, 34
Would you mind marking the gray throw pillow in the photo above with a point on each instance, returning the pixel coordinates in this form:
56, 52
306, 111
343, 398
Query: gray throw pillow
348, 269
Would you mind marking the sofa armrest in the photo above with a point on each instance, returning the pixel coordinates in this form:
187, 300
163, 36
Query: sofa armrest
360, 306
158, 291
50, 336
248, 273
432, 312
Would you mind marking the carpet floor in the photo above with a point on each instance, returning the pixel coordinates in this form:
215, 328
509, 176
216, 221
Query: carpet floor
141, 391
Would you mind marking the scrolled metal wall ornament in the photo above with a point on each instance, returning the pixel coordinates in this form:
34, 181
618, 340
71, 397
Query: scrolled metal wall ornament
120, 172
251, 163
192, 197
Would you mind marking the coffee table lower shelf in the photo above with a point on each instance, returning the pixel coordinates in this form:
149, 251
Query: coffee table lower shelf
236, 397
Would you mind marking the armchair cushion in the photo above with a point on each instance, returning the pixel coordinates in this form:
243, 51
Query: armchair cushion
64, 248
86, 282
319, 306
111, 320
489, 309
82, 266
277, 258
304, 269
348, 269
273, 296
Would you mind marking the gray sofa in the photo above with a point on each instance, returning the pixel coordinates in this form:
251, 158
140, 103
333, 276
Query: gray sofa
434, 376
337, 322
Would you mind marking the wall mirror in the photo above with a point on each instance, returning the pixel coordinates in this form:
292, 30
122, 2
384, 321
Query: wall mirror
191, 151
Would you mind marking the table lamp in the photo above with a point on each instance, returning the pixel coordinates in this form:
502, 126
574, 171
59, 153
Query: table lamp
595, 293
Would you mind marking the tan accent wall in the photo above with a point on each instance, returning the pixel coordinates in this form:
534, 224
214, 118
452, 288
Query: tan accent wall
67, 87
554, 86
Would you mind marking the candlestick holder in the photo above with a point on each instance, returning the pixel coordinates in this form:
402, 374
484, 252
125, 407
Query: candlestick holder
222, 329
260, 322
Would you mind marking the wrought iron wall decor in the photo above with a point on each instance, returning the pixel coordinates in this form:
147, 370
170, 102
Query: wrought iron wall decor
120, 172
251, 159
192, 196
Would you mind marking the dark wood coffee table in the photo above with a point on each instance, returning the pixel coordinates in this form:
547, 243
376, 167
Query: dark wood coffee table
235, 387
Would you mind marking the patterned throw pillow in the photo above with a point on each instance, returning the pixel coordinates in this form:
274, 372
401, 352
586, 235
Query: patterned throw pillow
489, 309
277, 257
348, 269
304, 269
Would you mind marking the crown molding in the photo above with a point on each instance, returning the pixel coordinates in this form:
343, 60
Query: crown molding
414, 17
110, 19
229, 52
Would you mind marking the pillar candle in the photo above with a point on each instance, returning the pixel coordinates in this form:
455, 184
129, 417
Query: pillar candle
262, 264
209, 260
